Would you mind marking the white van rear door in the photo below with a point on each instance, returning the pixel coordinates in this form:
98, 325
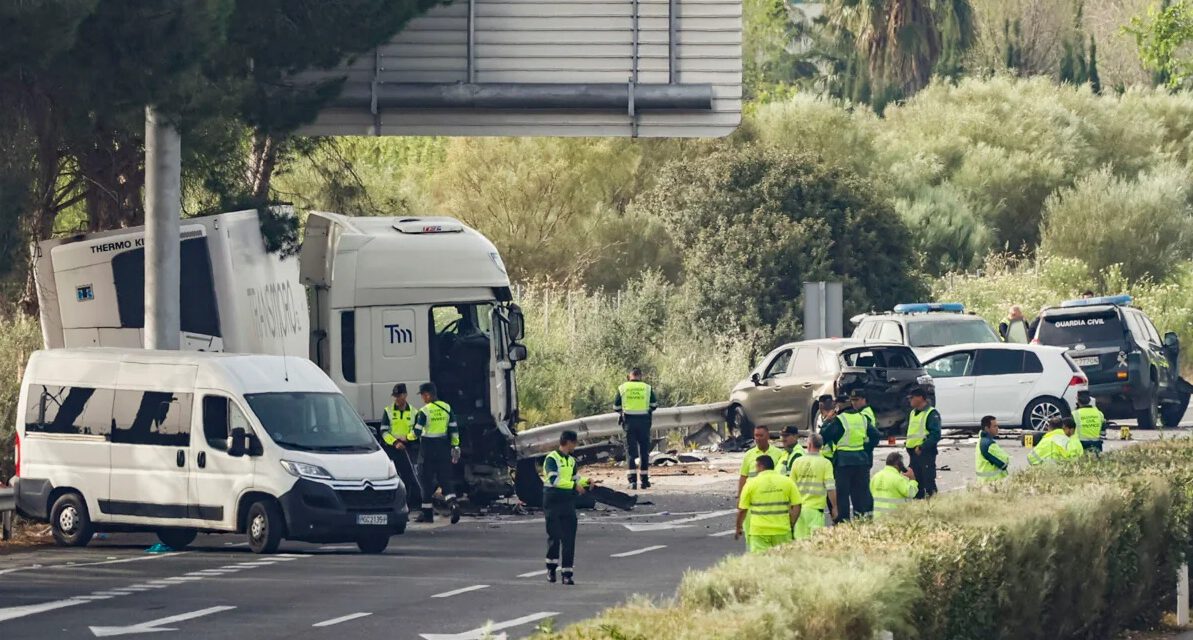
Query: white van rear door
151, 461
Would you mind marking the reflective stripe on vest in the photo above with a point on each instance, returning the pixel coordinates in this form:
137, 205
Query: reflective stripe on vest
855, 432
439, 416
635, 398
1089, 423
868, 411
917, 427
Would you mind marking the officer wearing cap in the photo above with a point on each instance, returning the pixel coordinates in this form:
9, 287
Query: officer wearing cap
397, 432
857, 400
923, 434
793, 448
852, 437
439, 441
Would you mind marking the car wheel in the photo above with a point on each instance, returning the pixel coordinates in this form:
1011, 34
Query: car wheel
373, 542
177, 538
70, 521
1148, 418
1040, 411
265, 526
739, 421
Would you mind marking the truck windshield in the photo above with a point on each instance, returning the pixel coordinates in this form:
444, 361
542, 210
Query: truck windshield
942, 333
312, 422
1101, 328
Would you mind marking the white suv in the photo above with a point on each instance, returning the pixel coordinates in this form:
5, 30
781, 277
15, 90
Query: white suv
1020, 384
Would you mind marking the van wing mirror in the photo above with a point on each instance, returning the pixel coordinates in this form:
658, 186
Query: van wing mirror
237, 442
1172, 341
517, 352
517, 323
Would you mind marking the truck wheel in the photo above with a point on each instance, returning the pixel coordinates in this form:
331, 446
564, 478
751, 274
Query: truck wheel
373, 542
70, 521
177, 538
265, 526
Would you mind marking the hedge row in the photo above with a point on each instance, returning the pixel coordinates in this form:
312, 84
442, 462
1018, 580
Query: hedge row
1081, 551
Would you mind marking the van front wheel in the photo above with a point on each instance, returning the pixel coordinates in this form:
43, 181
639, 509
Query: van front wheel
265, 526
177, 538
373, 542
70, 521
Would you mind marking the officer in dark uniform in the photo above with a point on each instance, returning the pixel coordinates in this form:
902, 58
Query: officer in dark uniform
561, 485
636, 401
439, 447
397, 432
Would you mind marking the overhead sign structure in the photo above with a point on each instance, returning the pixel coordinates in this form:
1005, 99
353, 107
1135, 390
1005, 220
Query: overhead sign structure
649, 68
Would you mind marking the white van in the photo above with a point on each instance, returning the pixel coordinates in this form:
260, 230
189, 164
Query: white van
182, 442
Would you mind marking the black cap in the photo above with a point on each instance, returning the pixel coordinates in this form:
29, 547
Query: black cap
825, 398
399, 389
791, 430
427, 387
918, 391
842, 398
858, 394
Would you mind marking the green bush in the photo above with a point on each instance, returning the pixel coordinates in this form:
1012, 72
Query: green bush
1026, 558
19, 337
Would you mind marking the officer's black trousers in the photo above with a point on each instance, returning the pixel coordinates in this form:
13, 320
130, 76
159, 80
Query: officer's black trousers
853, 492
406, 471
924, 466
637, 445
435, 469
560, 508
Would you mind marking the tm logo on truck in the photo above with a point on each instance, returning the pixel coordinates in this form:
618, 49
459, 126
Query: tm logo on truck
398, 335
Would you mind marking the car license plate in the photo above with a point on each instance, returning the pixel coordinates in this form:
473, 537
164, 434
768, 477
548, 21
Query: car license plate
1086, 362
372, 518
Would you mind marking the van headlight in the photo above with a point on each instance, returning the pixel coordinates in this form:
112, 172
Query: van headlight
306, 470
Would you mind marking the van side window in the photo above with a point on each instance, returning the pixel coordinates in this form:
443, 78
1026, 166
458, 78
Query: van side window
158, 418
220, 417
71, 410
348, 345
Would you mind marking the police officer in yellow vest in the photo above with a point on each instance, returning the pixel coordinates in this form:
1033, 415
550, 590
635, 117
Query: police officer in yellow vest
991, 462
635, 402
857, 400
1058, 445
397, 432
852, 438
1091, 423
893, 485
815, 485
770, 499
438, 435
923, 434
561, 485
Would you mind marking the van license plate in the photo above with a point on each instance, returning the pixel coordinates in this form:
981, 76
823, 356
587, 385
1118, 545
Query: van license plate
372, 518
1086, 362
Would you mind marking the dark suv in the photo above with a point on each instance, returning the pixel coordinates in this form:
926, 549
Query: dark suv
1132, 371
783, 389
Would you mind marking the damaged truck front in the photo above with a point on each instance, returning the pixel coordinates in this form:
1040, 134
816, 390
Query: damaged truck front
388, 300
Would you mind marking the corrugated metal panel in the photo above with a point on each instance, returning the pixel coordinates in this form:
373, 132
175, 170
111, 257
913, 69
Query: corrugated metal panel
554, 41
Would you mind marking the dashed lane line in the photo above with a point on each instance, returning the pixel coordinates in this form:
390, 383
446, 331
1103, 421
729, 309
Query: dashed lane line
334, 621
626, 554
456, 592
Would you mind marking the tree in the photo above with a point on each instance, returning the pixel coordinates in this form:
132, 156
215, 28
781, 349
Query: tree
1162, 38
756, 222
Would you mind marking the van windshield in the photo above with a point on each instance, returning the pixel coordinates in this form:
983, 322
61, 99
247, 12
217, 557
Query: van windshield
942, 333
312, 422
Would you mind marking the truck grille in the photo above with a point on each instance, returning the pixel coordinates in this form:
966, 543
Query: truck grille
369, 498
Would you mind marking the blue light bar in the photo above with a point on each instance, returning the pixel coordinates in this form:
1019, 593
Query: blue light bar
930, 307
1119, 300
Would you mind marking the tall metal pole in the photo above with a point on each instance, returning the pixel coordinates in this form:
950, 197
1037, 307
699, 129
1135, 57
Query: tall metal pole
163, 213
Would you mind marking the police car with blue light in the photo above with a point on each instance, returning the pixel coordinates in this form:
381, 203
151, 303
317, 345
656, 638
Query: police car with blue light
924, 326
1133, 371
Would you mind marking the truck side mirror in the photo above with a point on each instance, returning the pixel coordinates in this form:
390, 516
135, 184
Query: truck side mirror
1172, 341
517, 323
237, 442
517, 352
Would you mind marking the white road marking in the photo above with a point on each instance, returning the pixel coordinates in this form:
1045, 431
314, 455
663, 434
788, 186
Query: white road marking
90, 598
156, 625
487, 630
339, 547
533, 574
456, 592
678, 524
16, 569
256, 563
108, 593
352, 616
12, 613
626, 554
236, 544
75, 565
721, 534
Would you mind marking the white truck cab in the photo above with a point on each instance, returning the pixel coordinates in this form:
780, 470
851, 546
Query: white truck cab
373, 301
178, 443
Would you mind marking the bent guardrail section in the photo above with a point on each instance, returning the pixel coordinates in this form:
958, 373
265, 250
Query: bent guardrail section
540, 440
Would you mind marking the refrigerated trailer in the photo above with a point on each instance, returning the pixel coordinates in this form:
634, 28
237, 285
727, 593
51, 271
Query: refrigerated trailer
373, 301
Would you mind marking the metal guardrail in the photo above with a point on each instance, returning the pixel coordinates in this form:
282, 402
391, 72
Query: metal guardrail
541, 440
8, 506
